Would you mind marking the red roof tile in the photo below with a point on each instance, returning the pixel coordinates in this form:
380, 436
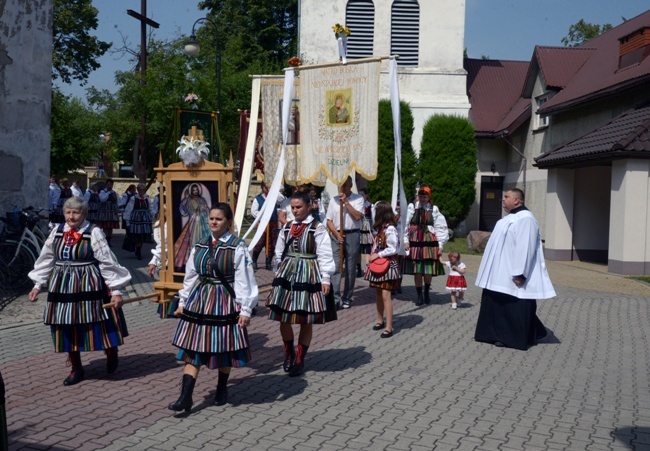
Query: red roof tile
599, 75
558, 65
626, 136
494, 90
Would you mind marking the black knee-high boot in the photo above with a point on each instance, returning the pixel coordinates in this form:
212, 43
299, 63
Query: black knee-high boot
184, 402
111, 359
289, 355
221, 397
299, 367
419, 300
77, 373
427, 287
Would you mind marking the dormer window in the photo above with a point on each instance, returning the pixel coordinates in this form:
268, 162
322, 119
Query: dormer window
634, 47
541, 121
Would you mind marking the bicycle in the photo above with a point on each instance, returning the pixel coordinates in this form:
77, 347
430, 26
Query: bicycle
19, 248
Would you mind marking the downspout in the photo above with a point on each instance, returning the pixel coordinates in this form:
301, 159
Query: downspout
504, 136
298, 26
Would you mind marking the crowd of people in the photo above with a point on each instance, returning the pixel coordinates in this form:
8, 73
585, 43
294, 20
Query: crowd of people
312, 249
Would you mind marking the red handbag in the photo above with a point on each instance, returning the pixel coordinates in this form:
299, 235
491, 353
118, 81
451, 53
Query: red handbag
379, 266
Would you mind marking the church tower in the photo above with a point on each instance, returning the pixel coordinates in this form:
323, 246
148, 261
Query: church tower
428, 36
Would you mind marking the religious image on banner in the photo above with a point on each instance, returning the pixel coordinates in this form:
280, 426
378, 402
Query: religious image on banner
339, 113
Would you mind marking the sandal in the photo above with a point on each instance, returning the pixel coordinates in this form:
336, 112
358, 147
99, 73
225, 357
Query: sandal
386, 334
379, 326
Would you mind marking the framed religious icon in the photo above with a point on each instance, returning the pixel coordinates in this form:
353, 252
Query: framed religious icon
191, 202
189, 194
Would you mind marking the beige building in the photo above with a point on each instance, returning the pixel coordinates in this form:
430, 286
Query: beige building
577, 138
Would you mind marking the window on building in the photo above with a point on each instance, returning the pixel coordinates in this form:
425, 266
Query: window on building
541, 120
405, 32
360, 19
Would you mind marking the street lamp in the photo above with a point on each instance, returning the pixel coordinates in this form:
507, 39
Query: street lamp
192, 48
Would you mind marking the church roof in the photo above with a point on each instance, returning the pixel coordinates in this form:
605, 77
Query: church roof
494, 89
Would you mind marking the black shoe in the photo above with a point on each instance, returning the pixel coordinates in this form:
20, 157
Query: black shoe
419, 300
138, 253
386, 334
268, 264
255, 267
427, 299
379, 326
75, 377
221, 397
297, 369
498, 344
184, 402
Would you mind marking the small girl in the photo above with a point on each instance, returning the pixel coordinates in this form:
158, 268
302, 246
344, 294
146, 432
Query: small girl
385, 246
456, 283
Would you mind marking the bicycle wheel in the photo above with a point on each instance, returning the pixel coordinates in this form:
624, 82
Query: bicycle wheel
18, 265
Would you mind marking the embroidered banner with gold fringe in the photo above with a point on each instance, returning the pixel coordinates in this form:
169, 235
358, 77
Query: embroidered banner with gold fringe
338, 113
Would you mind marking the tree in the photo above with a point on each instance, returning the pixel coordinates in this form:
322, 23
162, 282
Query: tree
75, 51
582, 31
448, 165
382, 187
74, 134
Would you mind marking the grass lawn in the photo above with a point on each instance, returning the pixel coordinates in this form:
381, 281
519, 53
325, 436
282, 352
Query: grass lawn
459, 244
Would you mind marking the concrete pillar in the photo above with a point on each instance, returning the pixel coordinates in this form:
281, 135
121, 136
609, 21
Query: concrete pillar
629, 237
559, 214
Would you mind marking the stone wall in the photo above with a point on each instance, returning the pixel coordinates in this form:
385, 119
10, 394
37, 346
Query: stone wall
25, 99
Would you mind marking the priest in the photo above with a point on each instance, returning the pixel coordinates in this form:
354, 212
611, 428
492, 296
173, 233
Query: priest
513, 276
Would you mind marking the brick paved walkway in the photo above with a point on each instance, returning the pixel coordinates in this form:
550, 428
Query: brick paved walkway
429, 386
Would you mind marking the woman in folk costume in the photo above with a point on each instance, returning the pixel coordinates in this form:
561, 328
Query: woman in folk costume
195, 208
366, 239
66, 193
301, 291
426, 235
81, 274
216, 302
139, 214
386, 245
92, 199
109, 215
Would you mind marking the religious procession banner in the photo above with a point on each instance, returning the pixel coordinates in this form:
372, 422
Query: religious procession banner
339, 113
272, 93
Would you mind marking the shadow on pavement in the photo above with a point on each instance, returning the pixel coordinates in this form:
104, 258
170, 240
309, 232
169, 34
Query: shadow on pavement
132, 366
633, 437
337, 359
406, 321
263, 389
550, 338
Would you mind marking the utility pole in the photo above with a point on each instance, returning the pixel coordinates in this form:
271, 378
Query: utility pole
144, 21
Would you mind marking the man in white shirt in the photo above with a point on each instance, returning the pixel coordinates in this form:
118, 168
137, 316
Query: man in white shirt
271, 230
347, 237
76, 191
513, 276
55, 194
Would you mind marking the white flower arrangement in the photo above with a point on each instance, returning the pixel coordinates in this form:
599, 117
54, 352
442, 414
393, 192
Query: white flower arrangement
191, 150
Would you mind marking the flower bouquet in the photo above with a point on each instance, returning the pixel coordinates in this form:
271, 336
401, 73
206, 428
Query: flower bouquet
294, 62
191, 150
342, 34
193, 100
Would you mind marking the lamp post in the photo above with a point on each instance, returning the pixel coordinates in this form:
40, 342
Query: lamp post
192, 48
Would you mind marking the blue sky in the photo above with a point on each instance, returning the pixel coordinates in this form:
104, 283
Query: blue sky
500, 29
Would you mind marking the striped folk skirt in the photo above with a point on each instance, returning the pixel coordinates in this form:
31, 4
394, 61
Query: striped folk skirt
366, 238
390, 280
297, 294
140, 227
74, 310
109, 216
207, 332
